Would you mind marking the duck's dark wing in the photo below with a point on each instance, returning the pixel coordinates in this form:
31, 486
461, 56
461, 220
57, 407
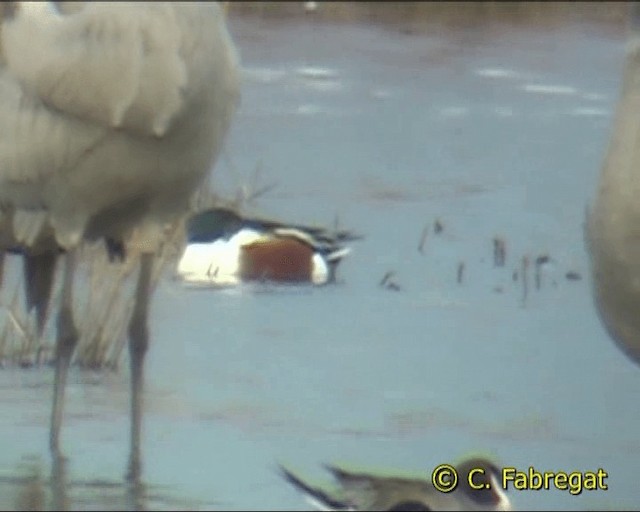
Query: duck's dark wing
322, 235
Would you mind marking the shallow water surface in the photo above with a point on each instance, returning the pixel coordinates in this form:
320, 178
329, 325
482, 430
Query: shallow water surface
496, 134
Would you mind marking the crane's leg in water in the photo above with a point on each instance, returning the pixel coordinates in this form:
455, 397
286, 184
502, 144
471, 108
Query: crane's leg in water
138, 344
65, 345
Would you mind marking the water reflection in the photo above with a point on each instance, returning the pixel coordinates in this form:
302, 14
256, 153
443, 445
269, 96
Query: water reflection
29, 489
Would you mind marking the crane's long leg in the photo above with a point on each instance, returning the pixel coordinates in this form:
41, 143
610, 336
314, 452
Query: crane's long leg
138, 344
60, 485
65, 345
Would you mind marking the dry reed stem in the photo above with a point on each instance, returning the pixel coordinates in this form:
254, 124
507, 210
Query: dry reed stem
103, 306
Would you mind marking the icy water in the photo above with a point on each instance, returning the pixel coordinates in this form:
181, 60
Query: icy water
495, 133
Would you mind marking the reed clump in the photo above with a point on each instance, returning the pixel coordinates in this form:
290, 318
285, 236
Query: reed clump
102, 306
104, 297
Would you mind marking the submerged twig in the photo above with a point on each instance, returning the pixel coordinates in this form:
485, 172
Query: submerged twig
423, 239
525, 279
460, 274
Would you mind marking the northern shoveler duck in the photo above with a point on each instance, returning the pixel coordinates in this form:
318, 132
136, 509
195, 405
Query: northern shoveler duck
365, 491
226, 249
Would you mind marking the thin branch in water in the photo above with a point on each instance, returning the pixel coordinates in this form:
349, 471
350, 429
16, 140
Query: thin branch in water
387, 283
525, 279
423, 239
460, 275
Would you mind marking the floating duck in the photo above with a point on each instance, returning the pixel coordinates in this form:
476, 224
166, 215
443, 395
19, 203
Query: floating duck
225, 249
365, 491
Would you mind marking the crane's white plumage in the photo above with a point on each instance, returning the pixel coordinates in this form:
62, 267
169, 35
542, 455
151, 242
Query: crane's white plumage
116, 105
111, 115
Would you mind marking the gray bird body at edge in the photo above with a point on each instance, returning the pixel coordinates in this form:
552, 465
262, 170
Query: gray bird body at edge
111, 116
613, 222
358, 490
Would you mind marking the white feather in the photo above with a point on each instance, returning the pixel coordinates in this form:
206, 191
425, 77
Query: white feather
320, 270
217, 262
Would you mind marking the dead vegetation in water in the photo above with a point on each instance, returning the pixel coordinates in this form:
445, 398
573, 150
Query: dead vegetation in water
102, 307
103, 294
30, 486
